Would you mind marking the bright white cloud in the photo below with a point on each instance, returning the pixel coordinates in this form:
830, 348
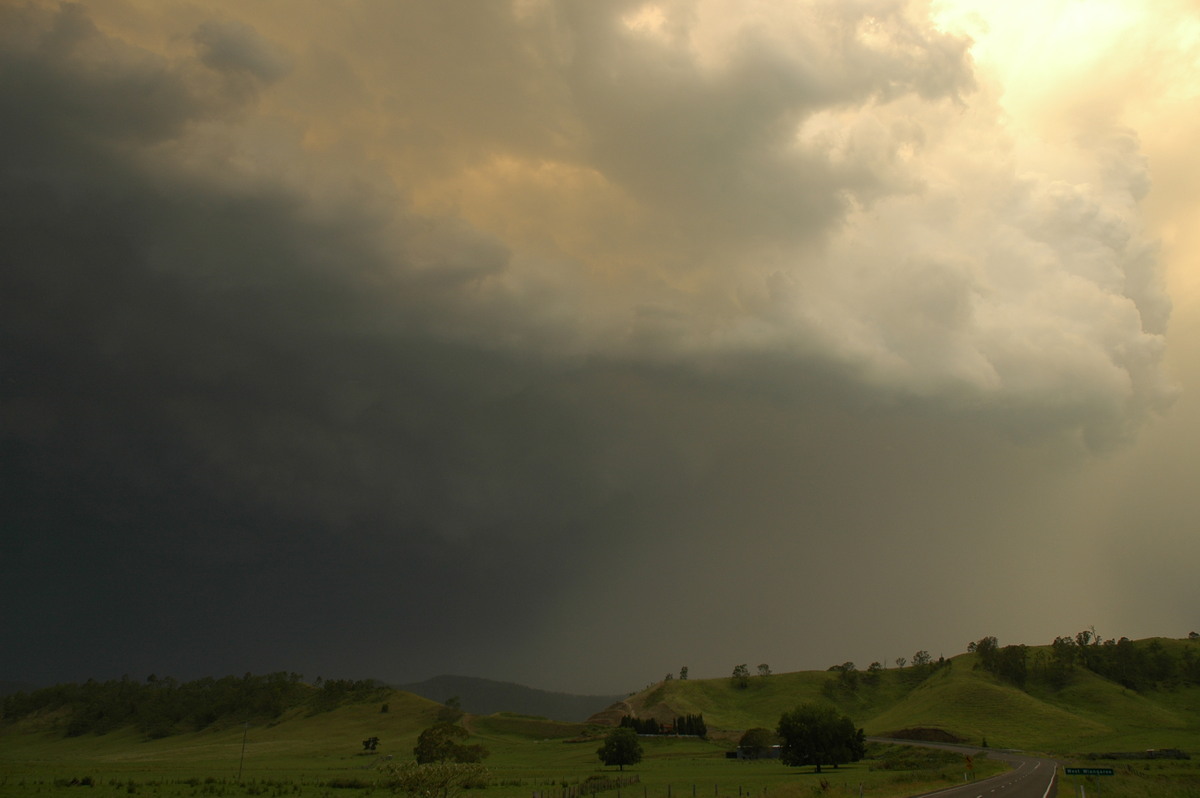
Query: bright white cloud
680, 180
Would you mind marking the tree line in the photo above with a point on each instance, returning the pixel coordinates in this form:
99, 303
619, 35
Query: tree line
684, 724
849, 678
159, 707
1138, 666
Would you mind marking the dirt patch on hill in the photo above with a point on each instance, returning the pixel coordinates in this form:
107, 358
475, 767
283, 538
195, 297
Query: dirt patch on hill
926, 735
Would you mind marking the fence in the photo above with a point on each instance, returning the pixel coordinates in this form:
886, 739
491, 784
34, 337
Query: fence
589, 787
593, 786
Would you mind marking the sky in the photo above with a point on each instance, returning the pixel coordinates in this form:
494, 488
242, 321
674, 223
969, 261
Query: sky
571, 343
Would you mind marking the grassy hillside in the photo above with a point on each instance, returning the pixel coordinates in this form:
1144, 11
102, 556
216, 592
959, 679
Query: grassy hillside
487, 697
1089, 714
297, 741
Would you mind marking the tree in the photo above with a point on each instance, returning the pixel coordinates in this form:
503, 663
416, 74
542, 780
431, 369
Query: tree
847, 679
642, 725
440, 743
921, 658
691, 724
451, 711
756, 743
901, 662
764, 669
683, 673
1086, 637
873, 671
741, 676
621, 747
370, 744
817, 734
986, 648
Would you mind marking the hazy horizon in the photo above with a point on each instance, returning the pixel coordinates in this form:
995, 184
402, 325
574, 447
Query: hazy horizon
569, 343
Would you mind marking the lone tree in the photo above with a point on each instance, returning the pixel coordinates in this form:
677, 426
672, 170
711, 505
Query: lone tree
621, 747
817, 734
441, 743
741, 676
756, 743
451, 711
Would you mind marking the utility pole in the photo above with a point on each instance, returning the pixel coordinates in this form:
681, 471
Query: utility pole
242, 761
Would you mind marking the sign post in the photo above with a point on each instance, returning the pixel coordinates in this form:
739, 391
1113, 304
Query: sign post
1091, 773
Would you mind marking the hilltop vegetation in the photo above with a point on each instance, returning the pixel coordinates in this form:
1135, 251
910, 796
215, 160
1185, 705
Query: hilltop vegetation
162, 707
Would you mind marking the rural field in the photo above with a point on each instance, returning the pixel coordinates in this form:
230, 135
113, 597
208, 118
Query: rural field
315, 746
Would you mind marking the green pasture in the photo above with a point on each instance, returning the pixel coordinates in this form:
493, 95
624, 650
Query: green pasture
321, 755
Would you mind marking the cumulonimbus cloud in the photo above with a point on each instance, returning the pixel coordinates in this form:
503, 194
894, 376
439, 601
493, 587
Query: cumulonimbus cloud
823, 182
454, 300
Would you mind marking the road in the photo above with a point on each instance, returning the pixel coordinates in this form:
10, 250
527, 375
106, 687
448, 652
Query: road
1030, 777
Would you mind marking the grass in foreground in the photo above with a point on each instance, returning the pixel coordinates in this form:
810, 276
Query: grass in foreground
520, 768
1155, 779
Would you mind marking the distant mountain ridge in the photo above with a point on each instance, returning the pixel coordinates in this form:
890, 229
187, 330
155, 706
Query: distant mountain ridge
486, 697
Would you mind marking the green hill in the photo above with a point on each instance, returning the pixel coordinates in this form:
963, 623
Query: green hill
487, 697
960, 698
297, 739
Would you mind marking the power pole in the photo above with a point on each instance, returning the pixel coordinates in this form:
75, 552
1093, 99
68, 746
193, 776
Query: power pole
245, 731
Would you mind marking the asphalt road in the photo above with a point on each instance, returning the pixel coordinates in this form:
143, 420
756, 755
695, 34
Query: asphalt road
1030, 777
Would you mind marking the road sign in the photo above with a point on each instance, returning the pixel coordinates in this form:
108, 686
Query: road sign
1089, 771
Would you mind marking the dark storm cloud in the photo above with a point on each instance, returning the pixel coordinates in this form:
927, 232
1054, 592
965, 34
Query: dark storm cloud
450, 342
222, 415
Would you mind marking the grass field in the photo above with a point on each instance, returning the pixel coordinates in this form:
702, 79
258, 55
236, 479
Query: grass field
1154, 779
321, 755
520, 767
